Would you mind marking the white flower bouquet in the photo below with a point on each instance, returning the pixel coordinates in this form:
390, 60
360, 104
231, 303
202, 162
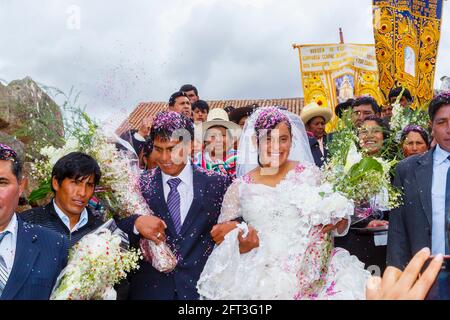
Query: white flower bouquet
357, 176
96, 263
119, 189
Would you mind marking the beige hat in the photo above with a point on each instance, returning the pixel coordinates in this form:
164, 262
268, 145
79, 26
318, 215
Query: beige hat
313, 110
219, 117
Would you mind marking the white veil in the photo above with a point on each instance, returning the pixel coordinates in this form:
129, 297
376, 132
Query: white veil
247, 155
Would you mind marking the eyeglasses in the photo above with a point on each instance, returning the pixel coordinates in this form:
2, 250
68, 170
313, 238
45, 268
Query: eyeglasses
364, 113
370, 131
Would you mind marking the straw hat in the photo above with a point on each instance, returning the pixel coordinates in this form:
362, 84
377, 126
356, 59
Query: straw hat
219, 117
313, 110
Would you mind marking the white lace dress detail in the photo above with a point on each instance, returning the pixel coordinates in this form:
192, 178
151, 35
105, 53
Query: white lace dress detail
294, 259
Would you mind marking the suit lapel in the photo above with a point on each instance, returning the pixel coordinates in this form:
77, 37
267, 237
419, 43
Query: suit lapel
424, 176
25, 257
199, 187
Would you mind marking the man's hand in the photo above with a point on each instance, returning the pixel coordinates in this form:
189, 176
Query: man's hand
377, 223
407, 285
219, 231
340, 227
146, 124
250, 242
151, 228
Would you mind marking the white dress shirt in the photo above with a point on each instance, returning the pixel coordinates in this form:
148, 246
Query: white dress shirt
138, 137
65, 219
321, 146
440, 167
185, 189
8, 244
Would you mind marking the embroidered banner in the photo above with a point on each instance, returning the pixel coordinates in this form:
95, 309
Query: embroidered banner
407, 34
333, 73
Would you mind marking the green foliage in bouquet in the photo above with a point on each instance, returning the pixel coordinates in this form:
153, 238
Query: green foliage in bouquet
343, 138
357, 176
117, 190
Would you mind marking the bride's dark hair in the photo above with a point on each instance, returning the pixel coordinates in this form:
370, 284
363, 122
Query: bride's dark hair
267, 120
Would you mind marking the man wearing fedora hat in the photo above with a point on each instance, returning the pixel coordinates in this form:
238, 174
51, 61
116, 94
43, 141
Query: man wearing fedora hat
218, 135
315, 118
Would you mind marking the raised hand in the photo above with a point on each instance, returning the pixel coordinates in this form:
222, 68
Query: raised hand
406, 285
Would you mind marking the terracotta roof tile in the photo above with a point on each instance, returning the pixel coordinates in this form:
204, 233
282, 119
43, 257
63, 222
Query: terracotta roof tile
146, 109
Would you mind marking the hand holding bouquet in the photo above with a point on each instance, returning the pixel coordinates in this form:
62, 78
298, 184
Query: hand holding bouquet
96, 263
119, 191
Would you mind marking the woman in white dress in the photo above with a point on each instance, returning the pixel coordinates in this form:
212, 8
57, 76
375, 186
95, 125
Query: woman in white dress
279, 193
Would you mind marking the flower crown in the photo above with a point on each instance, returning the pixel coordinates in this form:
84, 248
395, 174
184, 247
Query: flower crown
169, 122
269, 118
7, 153
443, 95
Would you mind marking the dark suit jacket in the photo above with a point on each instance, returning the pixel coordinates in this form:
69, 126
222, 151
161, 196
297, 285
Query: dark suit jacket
46, 216
410, 226
41, 254
319, 158
129, 137
194, 244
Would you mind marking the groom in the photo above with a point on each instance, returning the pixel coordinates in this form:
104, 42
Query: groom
187, 202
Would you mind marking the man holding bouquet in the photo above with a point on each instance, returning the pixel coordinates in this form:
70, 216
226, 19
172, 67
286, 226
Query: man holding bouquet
186, 200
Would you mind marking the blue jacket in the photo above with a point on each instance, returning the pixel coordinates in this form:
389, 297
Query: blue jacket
194, 244
40, 256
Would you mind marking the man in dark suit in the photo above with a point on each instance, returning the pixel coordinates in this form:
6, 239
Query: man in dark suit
425, 181
74, 178
187, 202
31, 257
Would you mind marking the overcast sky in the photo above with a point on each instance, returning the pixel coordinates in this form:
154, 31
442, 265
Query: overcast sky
120, 53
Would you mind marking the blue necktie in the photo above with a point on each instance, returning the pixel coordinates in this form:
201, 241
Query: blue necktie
3, 268
447, 209
173, 203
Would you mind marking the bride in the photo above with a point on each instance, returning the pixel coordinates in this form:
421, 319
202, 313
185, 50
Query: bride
279, 194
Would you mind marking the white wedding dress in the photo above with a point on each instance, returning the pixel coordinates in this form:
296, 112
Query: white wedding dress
294, 259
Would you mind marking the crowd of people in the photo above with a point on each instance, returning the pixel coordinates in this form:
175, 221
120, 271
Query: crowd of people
232, 191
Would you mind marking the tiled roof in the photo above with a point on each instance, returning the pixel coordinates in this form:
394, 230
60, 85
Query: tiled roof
146, 109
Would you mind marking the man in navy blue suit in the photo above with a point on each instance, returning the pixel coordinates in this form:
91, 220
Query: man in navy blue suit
186, 201
31, 257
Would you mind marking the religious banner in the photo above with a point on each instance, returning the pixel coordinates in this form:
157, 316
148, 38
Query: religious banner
334, 73
407, 34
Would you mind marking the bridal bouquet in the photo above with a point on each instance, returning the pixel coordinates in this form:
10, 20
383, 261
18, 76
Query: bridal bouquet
119, 189
97, 262
356, 176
